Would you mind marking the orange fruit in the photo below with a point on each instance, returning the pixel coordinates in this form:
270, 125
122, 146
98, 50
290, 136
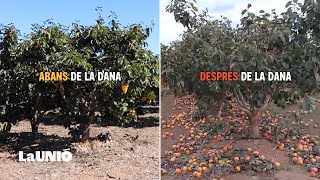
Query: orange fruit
181, 140
312, 174
178, 171
164, 136
188, 152
177, 155
164, 171
124, 88
237, 168
185, 169
299, 147
225, 149
204, 169
281, 147
313, 160
236, 159
277, 164
247, 158
314, 169
300, 161
204, 150
198, 175
294, 159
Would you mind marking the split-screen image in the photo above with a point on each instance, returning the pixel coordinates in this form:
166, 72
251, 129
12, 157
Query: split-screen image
160, 89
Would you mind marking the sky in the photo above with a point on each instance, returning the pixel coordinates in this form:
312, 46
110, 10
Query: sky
24, 13
170, 30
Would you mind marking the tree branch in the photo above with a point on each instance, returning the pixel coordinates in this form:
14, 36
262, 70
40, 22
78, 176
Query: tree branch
265, 104
241, 97
246, 110
237, 98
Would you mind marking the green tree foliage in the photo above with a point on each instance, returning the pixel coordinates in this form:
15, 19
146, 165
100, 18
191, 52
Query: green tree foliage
262, 42
52, 47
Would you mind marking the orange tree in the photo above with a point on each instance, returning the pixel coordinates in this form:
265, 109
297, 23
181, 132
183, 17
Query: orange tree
53, 47
261, 43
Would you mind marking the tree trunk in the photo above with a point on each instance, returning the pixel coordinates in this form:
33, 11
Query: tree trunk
35, 123
35, 119
220, 111
92, 108
85, 134
254, 120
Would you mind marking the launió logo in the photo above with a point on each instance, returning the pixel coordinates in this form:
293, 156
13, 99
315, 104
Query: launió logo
41, 156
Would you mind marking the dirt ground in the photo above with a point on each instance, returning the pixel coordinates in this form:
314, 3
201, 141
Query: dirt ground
124, 156
287, 172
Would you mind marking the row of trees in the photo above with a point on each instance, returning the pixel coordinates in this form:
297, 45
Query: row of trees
54, 47
262, 42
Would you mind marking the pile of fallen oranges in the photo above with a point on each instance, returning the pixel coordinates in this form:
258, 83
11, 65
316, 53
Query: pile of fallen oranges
189, 156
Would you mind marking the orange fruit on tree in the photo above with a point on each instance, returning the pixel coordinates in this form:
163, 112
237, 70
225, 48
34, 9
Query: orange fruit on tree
124, 88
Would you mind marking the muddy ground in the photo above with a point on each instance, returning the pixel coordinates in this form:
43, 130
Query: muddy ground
288, 171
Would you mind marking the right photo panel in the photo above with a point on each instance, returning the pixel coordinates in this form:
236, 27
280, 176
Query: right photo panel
240, 92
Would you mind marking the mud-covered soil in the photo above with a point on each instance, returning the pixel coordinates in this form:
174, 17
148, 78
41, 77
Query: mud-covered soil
288, 170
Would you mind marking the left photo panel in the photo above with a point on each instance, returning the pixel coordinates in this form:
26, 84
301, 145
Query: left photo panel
79, 91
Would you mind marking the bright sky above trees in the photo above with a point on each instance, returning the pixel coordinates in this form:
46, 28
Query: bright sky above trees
170, 30
24, 13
